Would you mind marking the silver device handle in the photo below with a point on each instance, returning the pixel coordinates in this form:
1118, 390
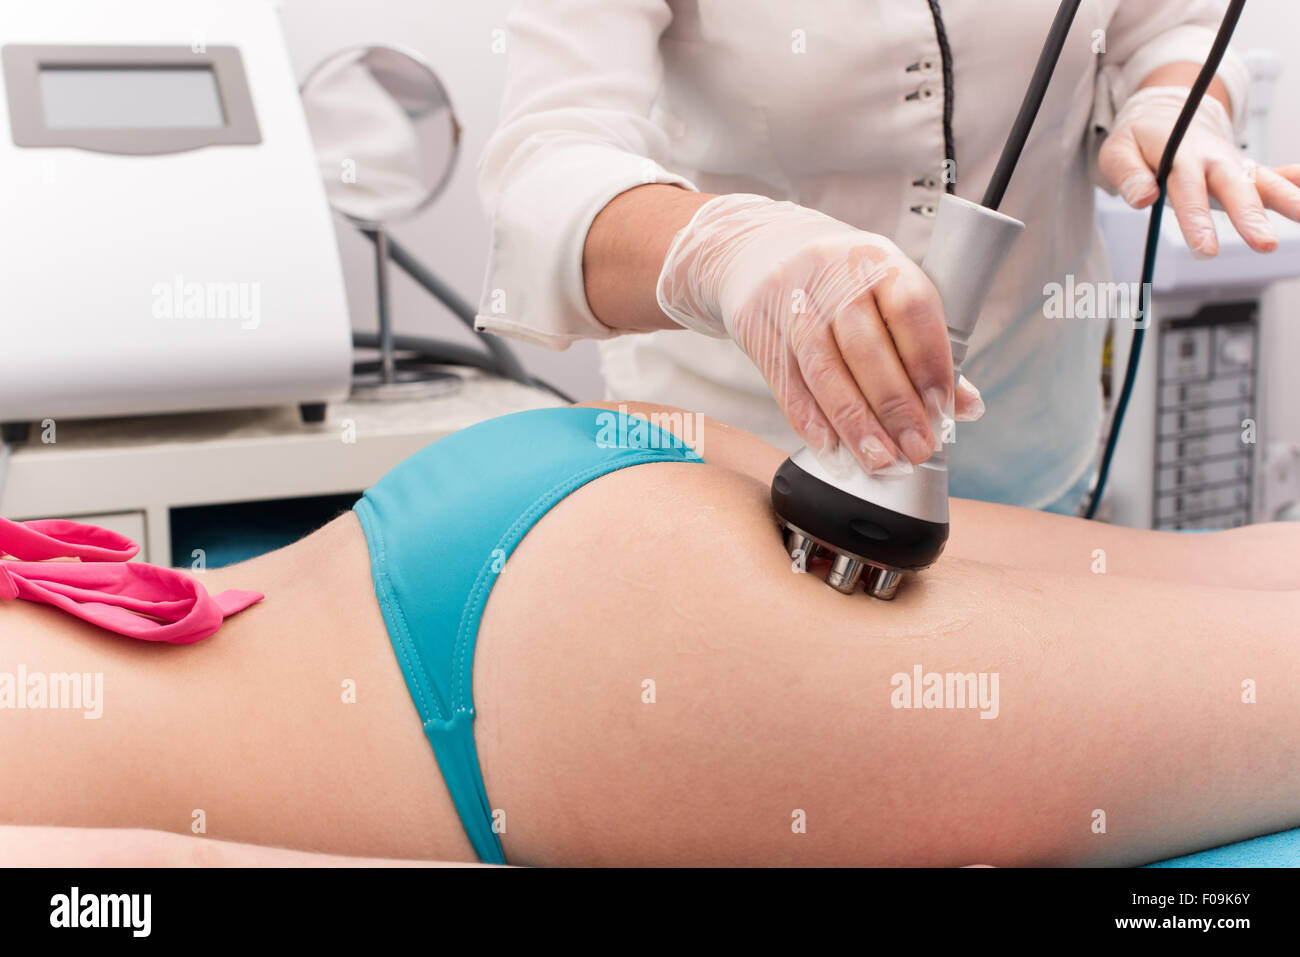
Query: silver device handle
967, 248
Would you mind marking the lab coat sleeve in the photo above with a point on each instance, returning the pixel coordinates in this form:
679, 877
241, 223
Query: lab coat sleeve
575, 131
1143, 36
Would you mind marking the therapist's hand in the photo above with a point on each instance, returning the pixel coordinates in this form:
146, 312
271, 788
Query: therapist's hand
848, 332
1208, 164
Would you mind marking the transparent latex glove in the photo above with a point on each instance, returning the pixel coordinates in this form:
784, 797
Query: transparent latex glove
1208, 164
848, 332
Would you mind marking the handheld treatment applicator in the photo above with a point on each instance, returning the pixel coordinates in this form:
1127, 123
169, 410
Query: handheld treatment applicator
882, 527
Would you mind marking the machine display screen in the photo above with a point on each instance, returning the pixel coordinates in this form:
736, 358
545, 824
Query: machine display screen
129, 97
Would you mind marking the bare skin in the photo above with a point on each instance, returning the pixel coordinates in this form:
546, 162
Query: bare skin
1185, 74
625, 249
137, 847
1120, 692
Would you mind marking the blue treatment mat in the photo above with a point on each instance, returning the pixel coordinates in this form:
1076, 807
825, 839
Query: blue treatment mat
1272, 850
237, 532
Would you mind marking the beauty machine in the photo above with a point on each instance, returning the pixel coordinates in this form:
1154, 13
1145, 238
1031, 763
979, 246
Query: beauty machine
166, 239
874, 530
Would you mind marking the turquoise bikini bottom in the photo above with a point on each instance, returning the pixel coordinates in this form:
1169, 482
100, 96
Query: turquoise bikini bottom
440, 527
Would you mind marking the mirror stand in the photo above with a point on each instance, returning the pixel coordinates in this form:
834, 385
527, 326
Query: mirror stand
387, 379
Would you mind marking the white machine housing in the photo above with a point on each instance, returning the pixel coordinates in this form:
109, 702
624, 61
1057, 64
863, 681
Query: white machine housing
1197, 449
163, 280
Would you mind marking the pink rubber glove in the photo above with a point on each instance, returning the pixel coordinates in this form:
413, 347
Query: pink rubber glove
103, 587
1208, 164
848, 332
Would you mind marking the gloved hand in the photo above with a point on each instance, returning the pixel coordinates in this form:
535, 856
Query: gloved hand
1208, 163
848, 332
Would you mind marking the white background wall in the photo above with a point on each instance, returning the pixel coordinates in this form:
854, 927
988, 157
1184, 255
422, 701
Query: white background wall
456, 37
451, 236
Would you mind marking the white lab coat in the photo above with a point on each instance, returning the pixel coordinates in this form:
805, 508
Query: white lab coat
837, 105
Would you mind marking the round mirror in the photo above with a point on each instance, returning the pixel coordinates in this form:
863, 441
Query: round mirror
385, 134
386, 142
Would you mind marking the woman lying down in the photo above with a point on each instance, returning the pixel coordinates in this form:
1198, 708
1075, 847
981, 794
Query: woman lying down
524, 645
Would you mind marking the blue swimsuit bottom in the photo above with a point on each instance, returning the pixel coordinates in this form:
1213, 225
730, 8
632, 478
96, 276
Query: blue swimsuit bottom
439, 528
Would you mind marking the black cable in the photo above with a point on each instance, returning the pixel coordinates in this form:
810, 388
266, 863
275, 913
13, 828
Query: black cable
442, 352
1015, 144
949, 88
558, 393
439, 351
507, 363
1194, 98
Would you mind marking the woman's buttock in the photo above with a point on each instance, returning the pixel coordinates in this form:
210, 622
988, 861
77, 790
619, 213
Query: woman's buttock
654, 676
596, 656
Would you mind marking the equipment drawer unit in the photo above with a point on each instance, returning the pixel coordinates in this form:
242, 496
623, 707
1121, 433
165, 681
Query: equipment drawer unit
1209, 472
1206, 430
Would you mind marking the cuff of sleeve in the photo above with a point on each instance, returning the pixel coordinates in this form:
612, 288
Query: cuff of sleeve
533, 288
1188, 43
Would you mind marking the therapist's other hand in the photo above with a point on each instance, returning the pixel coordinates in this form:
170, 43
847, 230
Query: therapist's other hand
1208, 164
848, 332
